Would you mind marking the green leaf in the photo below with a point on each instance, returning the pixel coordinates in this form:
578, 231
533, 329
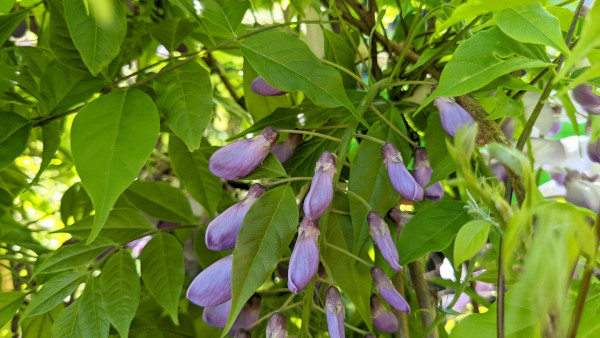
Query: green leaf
9, 22
14, 133
75, 204
122, 226
171, 32
269, 168
70, 256
505, 106
470, 239
217, 14
162, 271
432, 229
51, 138
6, 6
65, 324
481, 59
260, 106
54, 292
532, 24
369, 178
120, 290
185, 97
160, 200
287, 63
191, 167
41, 325
339, 49
111, 139
91, 316
472, 8
59, 38
10, 302
588, 40
97, 28
266, 233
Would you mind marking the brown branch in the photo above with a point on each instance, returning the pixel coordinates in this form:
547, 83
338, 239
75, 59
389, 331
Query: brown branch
422, 289
214, 65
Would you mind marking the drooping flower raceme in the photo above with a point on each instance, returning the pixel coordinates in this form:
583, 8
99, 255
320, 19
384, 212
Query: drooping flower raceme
321, 188
284, 150
383, 319
213, 285
422, 172
304, 262
386, 290
222, 232
334, 311
277, 327
383, 239
261, 87
452, 115
401, 179
240, 158
585, 96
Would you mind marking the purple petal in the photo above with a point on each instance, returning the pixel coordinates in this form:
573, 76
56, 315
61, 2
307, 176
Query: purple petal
240, 158
277, 327
383, 319
304, 262
334, 311
401, 179
284, 150
585, 96
422, 169
213, 285
216, 316
452, 115
320, 194
387, 291
222, 232
382, 237
434, 192
261, 87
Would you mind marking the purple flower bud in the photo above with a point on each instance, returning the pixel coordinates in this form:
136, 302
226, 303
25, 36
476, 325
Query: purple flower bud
585, 96
383, 319
382, 237
452, 115
277, 327
422, 172
304, 262
284, 150
213, 285
216, 316
334, 311
261, 87
222, 232
165, 224
386, 290
241, 333
321, 188
240, 158
593, 151
401, 179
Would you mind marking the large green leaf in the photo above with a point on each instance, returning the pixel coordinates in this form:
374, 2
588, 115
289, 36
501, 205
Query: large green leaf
111, 139
10, 302
54, 292
70, 256
75, 204
432, 229
531, 24
191, 168
171, 32
185, 97
14, 133
122, 226
92, 317
266, 233
472, 8
9, 22
339, 49
369, 178
66, 324
41, 325
120, 290
60, 41
588, 40
97, 29
470, 239
162, 271
481, 59
287, 63
6, 6
160, 200
216, 13
352, 277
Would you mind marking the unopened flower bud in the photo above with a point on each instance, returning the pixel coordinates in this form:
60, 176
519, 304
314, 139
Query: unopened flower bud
452, 115
304, 262
284, 150
277, 327
321, 188
261, 87
213, 285
585, 96
593, 151
334, 311
401, 179
216, 316
422, 172
382, 237
222, 232
386, 290
383, 319
240, 158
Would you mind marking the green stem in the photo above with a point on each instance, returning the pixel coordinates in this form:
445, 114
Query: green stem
278, 310
391, 125
355, 195
339, 126
285, 180
358, 259
403, 83
16, 274
354, 76
370, 138
16, 259
353, 328
311, 133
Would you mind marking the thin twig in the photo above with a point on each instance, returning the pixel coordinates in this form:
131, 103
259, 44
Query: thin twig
422, 290
356, 196
351, 74
311, 133
285, 180
358, 259
370, 138
391, 125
